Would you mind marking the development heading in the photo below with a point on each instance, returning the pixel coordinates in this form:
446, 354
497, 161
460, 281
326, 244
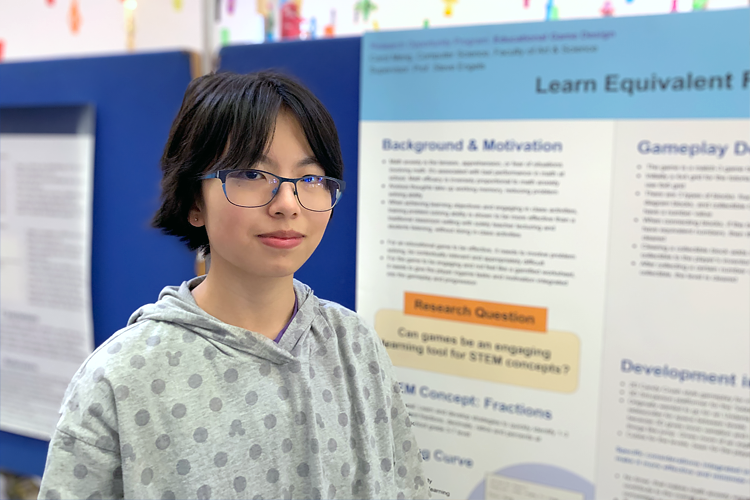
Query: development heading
683, 375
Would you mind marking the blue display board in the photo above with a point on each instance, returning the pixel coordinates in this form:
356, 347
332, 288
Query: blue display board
136, 98
330, 68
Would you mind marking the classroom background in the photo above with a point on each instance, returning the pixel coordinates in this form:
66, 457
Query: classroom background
133, 59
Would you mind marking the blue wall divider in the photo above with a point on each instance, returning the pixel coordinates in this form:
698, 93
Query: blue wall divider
136, 98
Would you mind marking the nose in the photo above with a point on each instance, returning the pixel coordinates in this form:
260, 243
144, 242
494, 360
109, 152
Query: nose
285, 201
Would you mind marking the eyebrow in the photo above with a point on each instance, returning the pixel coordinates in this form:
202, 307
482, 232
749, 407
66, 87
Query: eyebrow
309, 160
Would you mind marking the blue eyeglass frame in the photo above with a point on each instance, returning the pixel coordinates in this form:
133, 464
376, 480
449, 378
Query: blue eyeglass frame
222, 175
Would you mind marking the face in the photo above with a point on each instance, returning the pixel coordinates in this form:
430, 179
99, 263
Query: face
272, 241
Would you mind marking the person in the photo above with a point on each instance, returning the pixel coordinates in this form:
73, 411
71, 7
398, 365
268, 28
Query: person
240, 383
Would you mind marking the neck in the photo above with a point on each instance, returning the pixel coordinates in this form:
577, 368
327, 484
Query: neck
259, 304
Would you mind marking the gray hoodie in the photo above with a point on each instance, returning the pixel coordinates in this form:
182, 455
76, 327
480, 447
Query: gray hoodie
181, 405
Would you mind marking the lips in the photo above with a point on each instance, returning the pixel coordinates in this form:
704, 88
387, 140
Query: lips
281, 239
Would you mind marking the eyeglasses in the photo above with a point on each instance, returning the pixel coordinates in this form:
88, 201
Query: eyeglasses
256, 188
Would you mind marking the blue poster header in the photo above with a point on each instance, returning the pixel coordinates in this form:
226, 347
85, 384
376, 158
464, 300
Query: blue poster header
693, 65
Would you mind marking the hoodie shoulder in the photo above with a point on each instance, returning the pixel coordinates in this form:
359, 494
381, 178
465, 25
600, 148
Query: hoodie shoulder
129, 347
103, 378
335, 311
345, 322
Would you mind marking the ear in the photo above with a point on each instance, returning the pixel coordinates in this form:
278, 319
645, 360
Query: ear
195, 217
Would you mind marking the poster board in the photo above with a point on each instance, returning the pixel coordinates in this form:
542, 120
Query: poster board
554, 247
136, 98
46, 327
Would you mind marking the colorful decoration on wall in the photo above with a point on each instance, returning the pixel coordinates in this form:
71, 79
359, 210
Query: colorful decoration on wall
267, 9
312, 29
2, 48
224, 36
74, 17
129, 7
269, 24
364, 8
449, 7
290, 20
552, 14
329, 30
262, 7
284, 18
375, 26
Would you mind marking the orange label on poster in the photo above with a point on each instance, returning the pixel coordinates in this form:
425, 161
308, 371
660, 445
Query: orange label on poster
475, 311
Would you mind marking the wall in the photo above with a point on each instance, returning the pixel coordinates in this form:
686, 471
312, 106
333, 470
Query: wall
44, 29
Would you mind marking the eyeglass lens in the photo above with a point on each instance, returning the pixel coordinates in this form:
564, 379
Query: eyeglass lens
252, 188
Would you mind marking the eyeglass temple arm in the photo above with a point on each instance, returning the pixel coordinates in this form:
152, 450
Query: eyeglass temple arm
213, 175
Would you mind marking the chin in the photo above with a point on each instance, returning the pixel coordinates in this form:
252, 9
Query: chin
278, 271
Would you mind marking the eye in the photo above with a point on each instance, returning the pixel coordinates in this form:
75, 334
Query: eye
251, 175
313, 180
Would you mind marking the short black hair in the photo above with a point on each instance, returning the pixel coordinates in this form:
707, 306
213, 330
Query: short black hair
227, 121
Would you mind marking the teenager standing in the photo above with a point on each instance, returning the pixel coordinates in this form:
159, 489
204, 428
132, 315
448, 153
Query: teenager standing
241, 383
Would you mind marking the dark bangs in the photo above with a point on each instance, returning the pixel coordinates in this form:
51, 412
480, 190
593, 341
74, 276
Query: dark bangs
239, 111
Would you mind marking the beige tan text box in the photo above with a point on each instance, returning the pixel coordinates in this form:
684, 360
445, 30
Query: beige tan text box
504, 355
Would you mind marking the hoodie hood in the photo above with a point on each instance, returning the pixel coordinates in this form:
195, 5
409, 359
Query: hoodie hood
177, 307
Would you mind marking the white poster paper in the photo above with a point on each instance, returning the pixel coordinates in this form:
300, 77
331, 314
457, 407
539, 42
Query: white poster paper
554, 248
45, 292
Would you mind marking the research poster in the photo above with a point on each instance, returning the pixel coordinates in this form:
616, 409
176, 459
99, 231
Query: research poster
554, 248
46, 331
